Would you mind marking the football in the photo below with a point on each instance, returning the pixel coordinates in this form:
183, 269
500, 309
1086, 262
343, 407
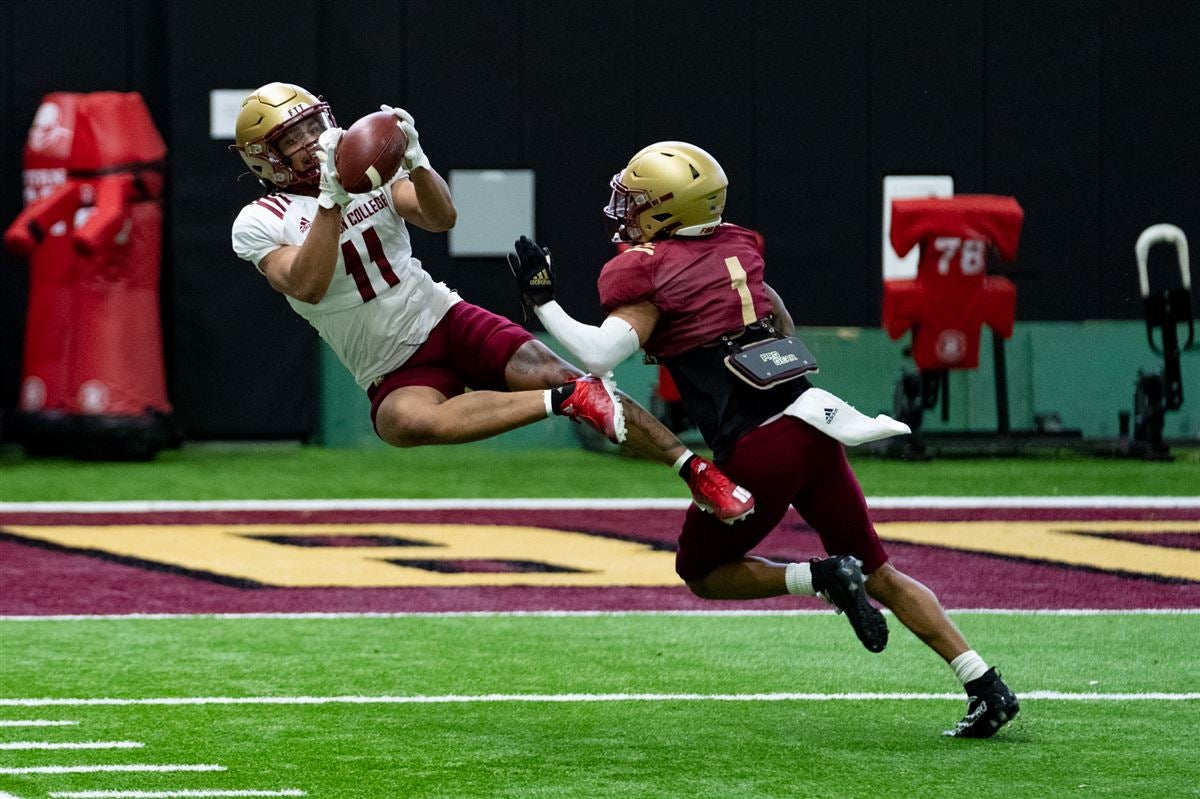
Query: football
370, 152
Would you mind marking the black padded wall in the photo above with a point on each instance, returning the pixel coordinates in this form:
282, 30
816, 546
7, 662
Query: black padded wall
1149, 123
1042, 137
812, 78
244, 364
14, 284
1086, 112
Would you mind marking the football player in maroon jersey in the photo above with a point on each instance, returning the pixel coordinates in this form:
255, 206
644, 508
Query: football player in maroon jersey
690, 291
345, 264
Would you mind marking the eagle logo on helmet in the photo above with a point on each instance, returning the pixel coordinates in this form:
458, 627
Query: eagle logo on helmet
670, 188
269, 114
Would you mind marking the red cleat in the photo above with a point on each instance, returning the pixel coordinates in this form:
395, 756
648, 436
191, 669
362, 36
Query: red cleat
715, 493
594, 401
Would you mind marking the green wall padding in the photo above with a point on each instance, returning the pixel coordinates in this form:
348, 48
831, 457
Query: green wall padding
1085, 372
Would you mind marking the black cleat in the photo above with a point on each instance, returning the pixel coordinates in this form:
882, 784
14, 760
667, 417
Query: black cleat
840, 580
990, 705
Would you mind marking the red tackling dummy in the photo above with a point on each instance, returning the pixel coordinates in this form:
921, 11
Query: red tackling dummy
952, 296
370, 152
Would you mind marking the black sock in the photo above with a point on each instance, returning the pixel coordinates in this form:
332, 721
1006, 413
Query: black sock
560, 395
818, 576
685, 471
982, 681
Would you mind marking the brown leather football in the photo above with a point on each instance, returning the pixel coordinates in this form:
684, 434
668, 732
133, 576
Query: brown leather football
370, 152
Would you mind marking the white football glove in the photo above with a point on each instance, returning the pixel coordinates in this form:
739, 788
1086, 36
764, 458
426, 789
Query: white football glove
414, 156
332, 194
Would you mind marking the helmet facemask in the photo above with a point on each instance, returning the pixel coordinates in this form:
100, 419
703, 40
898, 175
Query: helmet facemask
276, 144
624, 207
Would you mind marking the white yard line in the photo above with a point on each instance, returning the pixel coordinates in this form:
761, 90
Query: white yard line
587, 613
131, 767
575, 698
171, 794
72, 745
531, 503
35, 723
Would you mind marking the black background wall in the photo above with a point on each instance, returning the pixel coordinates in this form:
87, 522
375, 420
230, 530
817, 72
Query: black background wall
1087, 112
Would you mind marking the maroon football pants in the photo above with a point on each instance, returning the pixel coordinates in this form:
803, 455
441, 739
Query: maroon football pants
784, 463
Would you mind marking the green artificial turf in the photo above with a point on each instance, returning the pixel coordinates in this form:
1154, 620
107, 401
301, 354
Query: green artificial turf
480, 470
648, 748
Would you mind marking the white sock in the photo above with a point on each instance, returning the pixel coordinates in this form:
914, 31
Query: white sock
687, 453
968, 666
549, 407
799, 579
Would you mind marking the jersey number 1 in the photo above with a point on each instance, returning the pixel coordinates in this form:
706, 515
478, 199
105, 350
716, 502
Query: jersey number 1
356, 270
737, 281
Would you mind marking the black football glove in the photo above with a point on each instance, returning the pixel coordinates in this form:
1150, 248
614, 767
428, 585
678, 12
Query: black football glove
530, 265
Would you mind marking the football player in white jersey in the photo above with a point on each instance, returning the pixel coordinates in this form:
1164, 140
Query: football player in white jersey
345, 263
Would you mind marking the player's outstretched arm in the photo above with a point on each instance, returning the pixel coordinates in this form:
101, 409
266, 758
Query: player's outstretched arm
424, 199
597, 348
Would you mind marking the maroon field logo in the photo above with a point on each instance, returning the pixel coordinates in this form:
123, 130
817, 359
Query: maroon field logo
510, 555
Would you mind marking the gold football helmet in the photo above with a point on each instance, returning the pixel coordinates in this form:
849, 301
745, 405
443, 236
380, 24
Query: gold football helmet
273, 115
671, 188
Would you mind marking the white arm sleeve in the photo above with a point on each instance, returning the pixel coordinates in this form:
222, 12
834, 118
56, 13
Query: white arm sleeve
598, 349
